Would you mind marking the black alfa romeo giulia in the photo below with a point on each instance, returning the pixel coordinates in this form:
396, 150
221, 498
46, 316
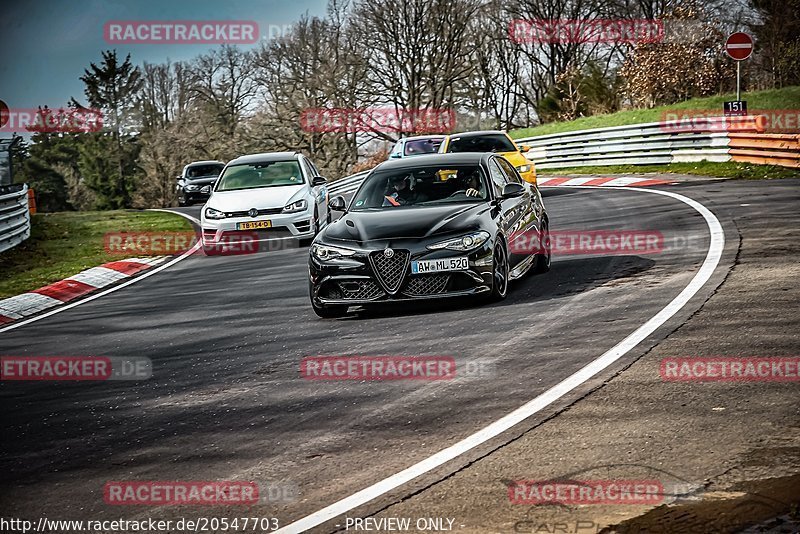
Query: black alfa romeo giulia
449, 225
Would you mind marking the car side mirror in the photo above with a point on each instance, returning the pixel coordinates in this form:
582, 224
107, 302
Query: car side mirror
337, 203
512, 191
319, 180
394, 155
524, 148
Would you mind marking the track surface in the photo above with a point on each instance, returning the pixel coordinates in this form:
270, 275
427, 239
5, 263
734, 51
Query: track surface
226, 336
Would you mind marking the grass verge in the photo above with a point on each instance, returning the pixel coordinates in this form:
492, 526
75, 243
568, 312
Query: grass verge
788, 97
728, 169
63, 244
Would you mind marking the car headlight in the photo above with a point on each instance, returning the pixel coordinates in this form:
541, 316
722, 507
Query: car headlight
191, 187
327, 252
211, 213
205, 189
524, 168
465, 242
300, 205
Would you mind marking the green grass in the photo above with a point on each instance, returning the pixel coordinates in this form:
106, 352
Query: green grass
786, 98
728, 169
63, 244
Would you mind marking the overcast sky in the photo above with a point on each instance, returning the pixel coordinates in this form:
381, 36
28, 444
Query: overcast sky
47, 44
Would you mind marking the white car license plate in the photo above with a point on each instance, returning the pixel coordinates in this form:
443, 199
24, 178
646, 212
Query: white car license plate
444, 264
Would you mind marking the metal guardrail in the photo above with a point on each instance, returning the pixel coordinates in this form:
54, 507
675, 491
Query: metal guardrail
639, 144
15, 219
716, 139
348, 184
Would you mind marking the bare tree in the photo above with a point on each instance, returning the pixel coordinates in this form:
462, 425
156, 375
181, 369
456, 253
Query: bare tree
223, 85
667, 72
419, 52
319, 65
550, 58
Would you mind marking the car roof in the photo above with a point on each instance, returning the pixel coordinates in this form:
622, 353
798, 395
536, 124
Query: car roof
458, 158
205, 162
478, 134
417, 137
264, 157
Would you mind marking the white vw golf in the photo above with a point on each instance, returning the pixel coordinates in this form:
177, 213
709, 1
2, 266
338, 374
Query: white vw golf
278, 195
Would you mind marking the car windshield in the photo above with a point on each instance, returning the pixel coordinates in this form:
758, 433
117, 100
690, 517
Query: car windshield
414, 147
481, 143
421, 186
257, 175
197, 171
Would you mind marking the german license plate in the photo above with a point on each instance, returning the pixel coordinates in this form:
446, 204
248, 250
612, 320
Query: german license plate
443, 264
254, 225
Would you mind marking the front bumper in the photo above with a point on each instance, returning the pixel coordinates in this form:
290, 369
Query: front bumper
529, 176
195, 196
284, 225
356, 280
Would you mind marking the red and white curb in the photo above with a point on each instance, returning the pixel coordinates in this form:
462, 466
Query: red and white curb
84, 282
607, 181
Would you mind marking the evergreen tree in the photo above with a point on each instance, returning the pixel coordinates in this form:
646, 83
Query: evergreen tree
111, 87
41, 165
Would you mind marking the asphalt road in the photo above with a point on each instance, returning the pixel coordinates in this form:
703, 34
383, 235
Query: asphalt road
227, 334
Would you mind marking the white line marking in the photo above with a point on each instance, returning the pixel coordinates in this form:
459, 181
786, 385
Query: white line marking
623, 181
152, 260
548, 397
185, 215
146, 274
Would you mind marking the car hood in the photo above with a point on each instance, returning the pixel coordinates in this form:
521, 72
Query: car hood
416, 223
260, 198
515, 158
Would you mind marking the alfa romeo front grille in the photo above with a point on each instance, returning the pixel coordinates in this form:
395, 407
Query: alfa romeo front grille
390, 269
427, 284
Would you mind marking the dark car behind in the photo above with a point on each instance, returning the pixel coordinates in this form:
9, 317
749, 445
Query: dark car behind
197, 180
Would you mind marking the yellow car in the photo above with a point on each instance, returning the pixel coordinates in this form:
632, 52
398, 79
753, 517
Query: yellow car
492, 141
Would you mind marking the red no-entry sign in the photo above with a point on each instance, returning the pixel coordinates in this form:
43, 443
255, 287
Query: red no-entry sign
739, 46
3, 113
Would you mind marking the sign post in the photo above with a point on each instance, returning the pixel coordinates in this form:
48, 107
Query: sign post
739, 47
